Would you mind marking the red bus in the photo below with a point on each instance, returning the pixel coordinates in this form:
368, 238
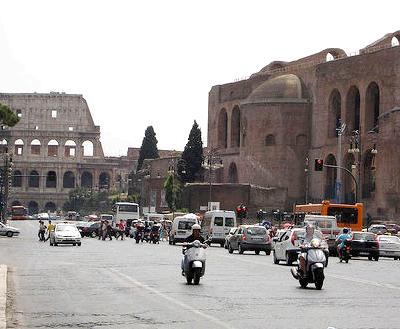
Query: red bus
19, 213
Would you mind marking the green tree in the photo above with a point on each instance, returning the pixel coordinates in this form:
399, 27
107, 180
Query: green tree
148, 150
173, 192
190, 164
86, 201
7, 117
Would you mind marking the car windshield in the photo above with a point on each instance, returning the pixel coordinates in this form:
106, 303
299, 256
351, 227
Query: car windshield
229, 222
185, 225
386, 238
256, 230
364, 236
65, 228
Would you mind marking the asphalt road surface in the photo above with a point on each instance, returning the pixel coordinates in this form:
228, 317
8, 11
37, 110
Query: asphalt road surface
118, 284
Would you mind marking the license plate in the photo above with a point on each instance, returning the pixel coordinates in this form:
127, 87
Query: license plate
181, 232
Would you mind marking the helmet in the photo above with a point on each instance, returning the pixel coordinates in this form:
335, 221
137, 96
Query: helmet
196, 227
345, 230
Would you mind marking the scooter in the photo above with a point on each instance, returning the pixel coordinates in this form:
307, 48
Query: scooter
315, 262
139, 235
194, 261
345, 252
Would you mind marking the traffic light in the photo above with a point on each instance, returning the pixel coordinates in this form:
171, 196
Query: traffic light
241, 211
319, 165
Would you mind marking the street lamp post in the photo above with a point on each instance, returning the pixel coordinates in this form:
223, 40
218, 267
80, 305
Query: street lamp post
211, 163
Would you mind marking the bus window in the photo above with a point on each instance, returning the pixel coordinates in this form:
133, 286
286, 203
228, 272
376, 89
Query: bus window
344, 215
127, 208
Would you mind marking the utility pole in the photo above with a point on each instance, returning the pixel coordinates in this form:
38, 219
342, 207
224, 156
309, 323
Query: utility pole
307, 178
340, 130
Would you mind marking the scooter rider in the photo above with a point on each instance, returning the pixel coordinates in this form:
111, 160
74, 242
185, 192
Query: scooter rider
196, 228
306, 242
341, 240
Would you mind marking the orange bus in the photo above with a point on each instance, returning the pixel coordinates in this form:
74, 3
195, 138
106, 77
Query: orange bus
19, 213
347, 215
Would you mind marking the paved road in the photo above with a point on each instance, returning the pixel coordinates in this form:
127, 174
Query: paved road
118, 284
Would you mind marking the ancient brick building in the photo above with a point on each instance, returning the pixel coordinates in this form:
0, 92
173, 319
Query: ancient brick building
267, 126
56, 147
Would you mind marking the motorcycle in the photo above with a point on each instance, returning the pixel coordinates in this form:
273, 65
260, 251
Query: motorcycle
194, 261
345, 252
146, 236
155, 234
315, 261
139, 235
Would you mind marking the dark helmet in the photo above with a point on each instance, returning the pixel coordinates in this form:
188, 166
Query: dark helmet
345, 230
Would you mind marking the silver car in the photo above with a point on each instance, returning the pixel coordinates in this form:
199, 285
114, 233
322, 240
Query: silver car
389, 246
250, 237
65, 234
7, 230
232, 231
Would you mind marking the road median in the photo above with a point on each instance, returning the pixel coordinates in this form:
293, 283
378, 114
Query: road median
3, 295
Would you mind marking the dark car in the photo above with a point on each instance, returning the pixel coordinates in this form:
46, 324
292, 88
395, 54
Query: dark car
250, 237
365, 244
90, 229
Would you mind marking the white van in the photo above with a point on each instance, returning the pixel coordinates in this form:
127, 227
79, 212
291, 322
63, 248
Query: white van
216, 225
182, 228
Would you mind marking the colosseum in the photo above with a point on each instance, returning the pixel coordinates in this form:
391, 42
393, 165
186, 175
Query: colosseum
270, 127
56, 147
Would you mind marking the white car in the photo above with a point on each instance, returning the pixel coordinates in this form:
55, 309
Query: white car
8, 230
65, 234
389, 246
286, 245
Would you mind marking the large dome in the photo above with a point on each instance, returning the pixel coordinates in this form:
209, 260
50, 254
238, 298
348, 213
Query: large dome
284, 87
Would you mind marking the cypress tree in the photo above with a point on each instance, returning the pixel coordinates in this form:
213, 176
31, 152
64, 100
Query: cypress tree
148, 150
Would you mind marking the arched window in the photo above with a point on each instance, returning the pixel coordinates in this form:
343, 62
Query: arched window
372, 107
3, 146
33, 180
235, 127
330, 178
353, 110
35, 147
69, 180
270, 140
50, 206
395, 42
369, 175
87, 149
33, 207
52, 148
233, 173
51, 179
17, 178
70, 149
334, 116
87, 179
19, 147
104, 181
223, 129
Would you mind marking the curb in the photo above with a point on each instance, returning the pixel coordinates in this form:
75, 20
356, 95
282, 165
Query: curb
3, 296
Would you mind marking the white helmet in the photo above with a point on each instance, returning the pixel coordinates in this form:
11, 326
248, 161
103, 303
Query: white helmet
196, 227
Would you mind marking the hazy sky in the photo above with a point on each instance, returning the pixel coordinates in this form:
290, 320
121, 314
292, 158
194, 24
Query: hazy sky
141, 63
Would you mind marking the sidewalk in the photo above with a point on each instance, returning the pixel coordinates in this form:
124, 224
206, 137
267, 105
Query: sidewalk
3, 295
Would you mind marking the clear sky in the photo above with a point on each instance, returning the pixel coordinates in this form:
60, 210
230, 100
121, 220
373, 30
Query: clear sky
149, 62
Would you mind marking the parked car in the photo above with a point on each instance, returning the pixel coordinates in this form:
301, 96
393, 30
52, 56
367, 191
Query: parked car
250, 237
228, 236
377, 229
389, 246
365, 244
7, 230
392, 228
65, 234
287, 245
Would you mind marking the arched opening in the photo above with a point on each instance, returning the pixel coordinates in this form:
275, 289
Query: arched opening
52, 148
16, 203
329, 57
70, 149
270, 140
395, 42
35, 147
223, 129
334, 116
69, 180
51, 179
369, 175
348, 182
87, 148
19, 147
235, 127
104, 181
233, 173
3, 146
330, 178
17, 178
50, 207
353, 110
372, 107
33, 207
87, 179
33, 180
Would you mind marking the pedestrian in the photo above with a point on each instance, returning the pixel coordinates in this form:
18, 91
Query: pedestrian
108, 230
42, 231
121, 230
100, 230
104, 230
50, 229
162, 231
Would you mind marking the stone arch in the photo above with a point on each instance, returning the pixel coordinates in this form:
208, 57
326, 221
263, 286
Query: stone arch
87, 179
4, 142
329, 57
33, 179
51, 179
16, 203
223, 129
349, 187
369, 175
52, 148
372, 102
33, 207
330, 177
235, 127
334, 112
87, 148
353, 110
19, 146
50, 206
104, 181
17, 178
70, 149
3, 146
301, 140
69, 180
395, 41
270, 140
233, 173
35, 147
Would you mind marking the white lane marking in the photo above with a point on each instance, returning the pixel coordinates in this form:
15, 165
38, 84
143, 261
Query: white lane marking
221, 324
